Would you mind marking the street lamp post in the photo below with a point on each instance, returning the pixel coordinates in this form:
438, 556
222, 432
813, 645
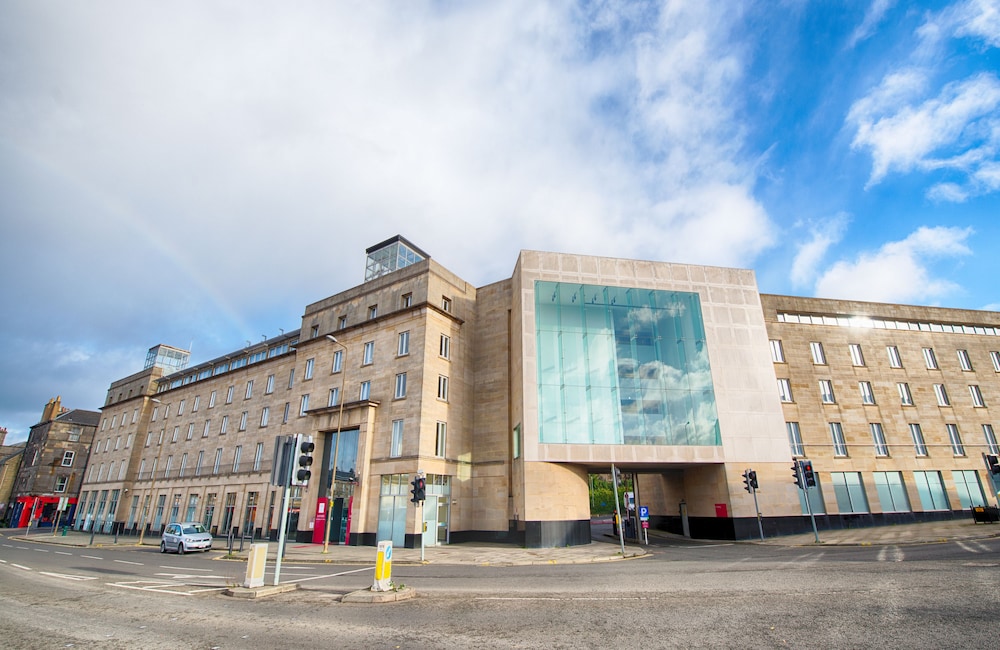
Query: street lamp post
340, 423
152, 485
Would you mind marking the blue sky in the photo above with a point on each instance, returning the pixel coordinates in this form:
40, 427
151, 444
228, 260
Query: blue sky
196, 173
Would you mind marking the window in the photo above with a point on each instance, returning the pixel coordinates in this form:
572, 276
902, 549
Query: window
867, 395
201, 460
225, 424
977, 396
208, 425
955, 438
303, 405
403, 346
197, 401
850, 492
67, 459
180, 409
61, 483
919, 447
777, 353
443, 388
218, 460
819, 357
839, 445
407, 300
211, 400
515, 442
878, 439
894, 359
891, 492
243, 420
366, 390
905, 397
314, 331
342, 323
995, 358
929, 359
249, 392
334, 397
445, 349
446, 304
258, 456
309, 368
930, 488
291, 377
229, 395
857, 359
963, 360
284, 415
236, 458
991, 439
156, 410
338, 361
369, 353
970, 491
396, 446
785, 390
269, 386
177, 431
826, 391
265, 413
400, 385
942, 395
795, 438
372, 312
440, 439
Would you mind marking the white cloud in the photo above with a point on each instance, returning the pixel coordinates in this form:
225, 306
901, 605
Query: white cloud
938, 133
876, 12
899, 271
810, 253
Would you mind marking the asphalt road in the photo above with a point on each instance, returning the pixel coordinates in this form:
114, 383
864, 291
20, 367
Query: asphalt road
680, 595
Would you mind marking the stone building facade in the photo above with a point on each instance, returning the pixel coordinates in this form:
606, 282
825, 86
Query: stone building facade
52, 465
506, 397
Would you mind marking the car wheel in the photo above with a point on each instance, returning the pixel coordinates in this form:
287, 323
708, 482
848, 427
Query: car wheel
163, 547
180, 548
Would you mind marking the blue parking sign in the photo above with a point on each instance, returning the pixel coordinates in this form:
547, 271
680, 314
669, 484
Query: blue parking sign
643, 513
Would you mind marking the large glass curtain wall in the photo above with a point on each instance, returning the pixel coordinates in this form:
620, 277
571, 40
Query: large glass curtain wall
621, 365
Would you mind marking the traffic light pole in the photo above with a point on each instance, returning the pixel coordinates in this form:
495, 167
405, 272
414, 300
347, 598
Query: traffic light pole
621, 522
805, 492
284, 518
756, 507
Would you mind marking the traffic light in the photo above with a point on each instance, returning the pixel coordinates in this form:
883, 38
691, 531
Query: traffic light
993, 462
752, 475
795, 473
304, 446
746, 481
419, 484
807, 473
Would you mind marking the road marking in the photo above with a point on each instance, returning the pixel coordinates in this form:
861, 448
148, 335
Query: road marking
67, 576
967, 548
556, 598
40, 550
127, 562
62, 553
92, 557
335, 575
21, 567
890, 554
185, 568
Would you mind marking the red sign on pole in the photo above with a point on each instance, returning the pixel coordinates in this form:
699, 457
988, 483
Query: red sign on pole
721, 510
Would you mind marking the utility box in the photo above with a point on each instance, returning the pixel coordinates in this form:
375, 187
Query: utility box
256, 563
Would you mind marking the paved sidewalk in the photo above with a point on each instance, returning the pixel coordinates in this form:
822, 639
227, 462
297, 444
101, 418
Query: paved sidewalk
507, 555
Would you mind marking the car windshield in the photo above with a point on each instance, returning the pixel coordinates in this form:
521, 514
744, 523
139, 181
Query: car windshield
194, 528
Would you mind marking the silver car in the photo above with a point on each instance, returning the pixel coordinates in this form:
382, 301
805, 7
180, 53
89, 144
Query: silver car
184, 537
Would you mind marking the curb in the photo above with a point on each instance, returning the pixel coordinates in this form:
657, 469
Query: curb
252, 593
367, 596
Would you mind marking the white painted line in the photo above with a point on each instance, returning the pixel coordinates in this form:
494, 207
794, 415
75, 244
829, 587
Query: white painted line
62, 553
153, 589
127, 562
40, 550
92, 557
966, 547
334, 575
185, 568
21, 567
200, 591
67, 576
